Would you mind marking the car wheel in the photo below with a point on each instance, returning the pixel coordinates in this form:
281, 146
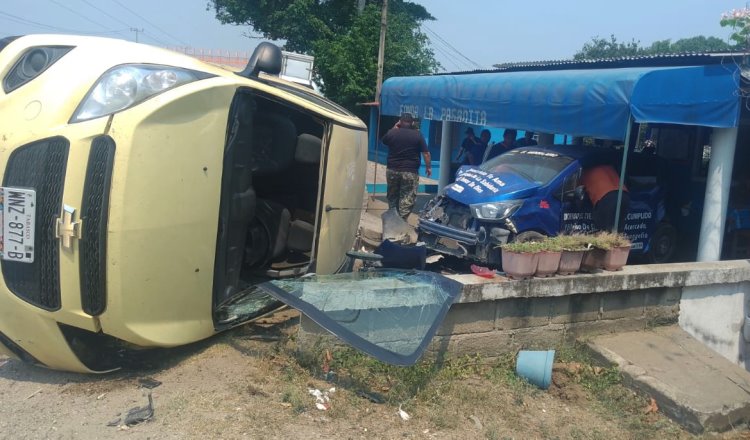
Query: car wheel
663, 244
525, 236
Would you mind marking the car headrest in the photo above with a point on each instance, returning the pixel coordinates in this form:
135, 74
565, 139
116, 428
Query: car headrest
308, 149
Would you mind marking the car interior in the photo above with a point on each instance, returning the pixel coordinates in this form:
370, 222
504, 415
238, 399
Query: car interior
269, 194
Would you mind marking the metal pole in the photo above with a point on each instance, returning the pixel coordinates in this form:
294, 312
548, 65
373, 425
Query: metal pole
622, 172
381, 49
445, 155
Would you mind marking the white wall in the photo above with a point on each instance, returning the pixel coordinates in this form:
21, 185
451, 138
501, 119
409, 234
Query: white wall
714, 314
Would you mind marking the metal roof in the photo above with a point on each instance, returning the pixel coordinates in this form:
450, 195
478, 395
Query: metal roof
660, 60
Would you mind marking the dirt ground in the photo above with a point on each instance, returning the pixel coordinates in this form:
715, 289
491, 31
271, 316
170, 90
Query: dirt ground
250, 383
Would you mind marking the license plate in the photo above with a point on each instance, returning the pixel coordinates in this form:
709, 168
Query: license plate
18, 209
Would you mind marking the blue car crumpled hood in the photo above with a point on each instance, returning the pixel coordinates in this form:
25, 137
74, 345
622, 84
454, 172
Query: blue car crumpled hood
474, 185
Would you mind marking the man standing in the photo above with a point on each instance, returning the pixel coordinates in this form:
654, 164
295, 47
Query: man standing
527, 140
508, 143
602, 183
404, 144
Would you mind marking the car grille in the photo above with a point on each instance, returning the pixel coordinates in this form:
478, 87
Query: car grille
41, 166
93, 245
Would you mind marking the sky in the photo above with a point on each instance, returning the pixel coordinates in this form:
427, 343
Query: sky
466, 34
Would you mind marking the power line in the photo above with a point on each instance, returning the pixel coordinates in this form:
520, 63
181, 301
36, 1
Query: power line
452, 58
82, 16
27, 22
478, 66
106, 13
78, 14
153, 25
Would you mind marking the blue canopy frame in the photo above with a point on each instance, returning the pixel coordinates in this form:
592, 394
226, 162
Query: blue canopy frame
597, 102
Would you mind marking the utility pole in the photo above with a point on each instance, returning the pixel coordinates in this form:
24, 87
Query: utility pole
381, 50
136, 30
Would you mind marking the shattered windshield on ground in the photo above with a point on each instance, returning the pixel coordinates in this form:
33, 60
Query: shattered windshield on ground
389, 314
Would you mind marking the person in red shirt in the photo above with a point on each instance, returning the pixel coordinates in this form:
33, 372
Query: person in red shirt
601, 183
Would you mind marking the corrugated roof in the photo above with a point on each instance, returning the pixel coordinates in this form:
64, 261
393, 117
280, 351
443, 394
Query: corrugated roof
661, 60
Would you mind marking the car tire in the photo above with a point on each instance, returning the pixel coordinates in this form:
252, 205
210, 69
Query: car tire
525, 236
663, 244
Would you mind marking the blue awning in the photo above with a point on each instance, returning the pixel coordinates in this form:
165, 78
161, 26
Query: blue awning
578, 102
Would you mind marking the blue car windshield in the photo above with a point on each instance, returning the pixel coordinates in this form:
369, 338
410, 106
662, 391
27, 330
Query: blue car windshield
534, 165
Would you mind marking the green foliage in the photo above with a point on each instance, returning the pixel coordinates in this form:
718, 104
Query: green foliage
609, 240
521, 247
599, 48
343, 40
574, 242
739, 21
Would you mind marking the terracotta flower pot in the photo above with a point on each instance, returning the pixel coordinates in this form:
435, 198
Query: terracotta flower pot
549, 262
570, 262
615, 258
593, 260
519, 265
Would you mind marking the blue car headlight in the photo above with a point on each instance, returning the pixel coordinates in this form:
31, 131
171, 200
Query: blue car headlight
125, 86
496, 210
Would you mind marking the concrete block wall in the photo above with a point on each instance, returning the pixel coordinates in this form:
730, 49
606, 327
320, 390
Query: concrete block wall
497, 316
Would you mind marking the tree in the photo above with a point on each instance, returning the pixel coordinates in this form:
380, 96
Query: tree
602, 48
343, 40
599, 48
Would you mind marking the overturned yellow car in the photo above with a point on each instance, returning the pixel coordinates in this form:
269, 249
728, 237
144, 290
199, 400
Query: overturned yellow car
145, 192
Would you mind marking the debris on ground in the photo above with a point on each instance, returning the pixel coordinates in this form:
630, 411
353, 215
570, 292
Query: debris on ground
322, 398
136, 415
652, 407
403, 414
371, 396
148, 382
484, 272
477, 423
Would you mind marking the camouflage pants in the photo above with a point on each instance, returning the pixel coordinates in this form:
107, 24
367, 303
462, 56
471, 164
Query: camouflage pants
402, 191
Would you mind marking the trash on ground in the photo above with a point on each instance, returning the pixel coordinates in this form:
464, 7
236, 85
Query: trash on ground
371, 396
433, 258
322, 398
33, 394
484, 272
652, 407
101, 396
477, 423
140, 413
148, 382
403, 414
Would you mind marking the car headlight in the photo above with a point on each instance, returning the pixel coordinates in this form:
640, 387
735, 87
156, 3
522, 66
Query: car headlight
125, 86
495, 211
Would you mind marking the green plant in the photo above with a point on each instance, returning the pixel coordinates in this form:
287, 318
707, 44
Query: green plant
523, 247
739, 21
574, 242
610, 240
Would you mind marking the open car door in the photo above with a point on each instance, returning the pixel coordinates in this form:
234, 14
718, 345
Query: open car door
389, 314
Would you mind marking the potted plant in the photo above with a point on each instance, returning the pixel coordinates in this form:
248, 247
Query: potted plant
574, 248
593, 260
550, 252
616, 247
520, 259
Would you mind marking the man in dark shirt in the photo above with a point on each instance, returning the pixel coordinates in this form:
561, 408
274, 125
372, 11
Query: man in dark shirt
508, 143
404, 144
473, 149
527, 140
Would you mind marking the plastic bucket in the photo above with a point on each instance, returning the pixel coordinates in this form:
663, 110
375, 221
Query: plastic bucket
536, 367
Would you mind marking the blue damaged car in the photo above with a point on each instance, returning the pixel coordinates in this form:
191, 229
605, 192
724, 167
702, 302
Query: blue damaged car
536, 191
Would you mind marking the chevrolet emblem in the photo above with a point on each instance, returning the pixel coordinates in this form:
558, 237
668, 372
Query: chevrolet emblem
66, 228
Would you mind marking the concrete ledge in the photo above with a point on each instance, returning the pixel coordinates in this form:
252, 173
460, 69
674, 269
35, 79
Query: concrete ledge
477, 289
691, 383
